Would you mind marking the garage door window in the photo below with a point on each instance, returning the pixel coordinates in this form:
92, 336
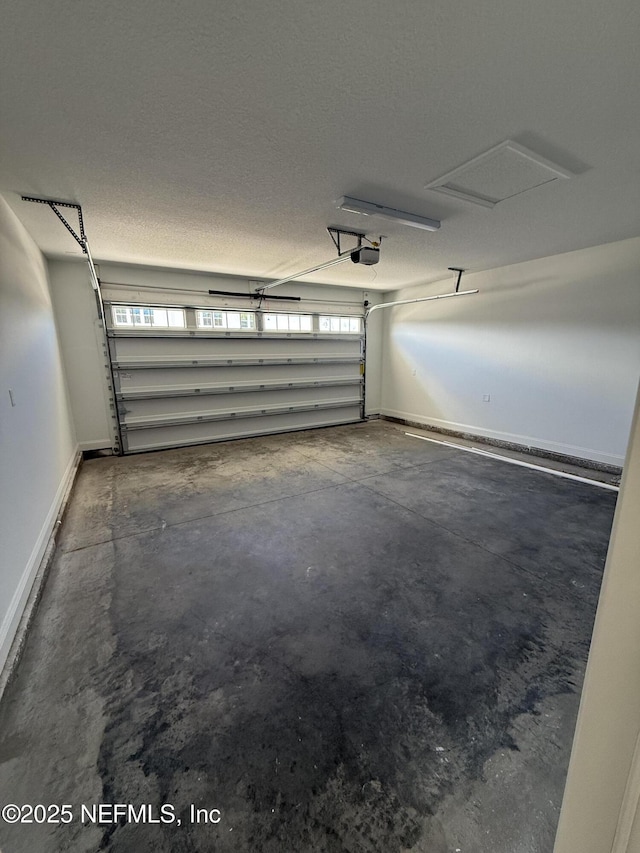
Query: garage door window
287, 322
342, 325
225, 320
145, 316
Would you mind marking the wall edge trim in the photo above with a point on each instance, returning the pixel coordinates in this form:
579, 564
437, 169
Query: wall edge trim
25, 599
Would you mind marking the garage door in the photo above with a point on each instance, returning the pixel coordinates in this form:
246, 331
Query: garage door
185, 374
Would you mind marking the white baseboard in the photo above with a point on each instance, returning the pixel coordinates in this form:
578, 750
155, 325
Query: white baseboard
11, 621
524, 440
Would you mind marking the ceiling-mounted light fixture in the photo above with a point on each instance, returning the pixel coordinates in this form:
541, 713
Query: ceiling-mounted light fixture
369, 208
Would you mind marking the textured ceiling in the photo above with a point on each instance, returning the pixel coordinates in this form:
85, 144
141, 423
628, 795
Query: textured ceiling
218, 136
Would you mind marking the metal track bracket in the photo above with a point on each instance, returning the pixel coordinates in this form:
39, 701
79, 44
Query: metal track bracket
82, 241
337, 233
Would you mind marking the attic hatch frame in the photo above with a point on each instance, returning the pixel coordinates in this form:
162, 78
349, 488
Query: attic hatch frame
82, 240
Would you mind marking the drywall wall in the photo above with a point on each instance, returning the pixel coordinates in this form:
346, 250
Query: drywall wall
37, 442
602, 793
80, 332
81, 341
553, 343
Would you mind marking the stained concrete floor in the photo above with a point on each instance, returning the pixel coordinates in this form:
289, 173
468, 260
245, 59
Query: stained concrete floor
344, 640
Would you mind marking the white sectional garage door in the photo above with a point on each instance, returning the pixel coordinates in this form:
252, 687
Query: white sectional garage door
185, 375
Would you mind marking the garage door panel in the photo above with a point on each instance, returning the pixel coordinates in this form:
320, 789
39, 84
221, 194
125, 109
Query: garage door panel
159, 349
226, 375
182, 435
139, 409
154, 383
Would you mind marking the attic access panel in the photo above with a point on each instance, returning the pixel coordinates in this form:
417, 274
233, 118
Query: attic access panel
502, 172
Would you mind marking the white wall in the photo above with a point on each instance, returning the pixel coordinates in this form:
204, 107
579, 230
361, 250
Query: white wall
554, 342
602, 795
81, 342
80, 335
37, 442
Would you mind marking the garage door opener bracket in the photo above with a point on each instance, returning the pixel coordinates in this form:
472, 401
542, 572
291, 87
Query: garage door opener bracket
357, 255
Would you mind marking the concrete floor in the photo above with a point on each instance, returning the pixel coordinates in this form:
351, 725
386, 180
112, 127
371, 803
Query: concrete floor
344, 640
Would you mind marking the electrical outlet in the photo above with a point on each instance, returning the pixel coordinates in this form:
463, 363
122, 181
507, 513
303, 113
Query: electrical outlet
486, 398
